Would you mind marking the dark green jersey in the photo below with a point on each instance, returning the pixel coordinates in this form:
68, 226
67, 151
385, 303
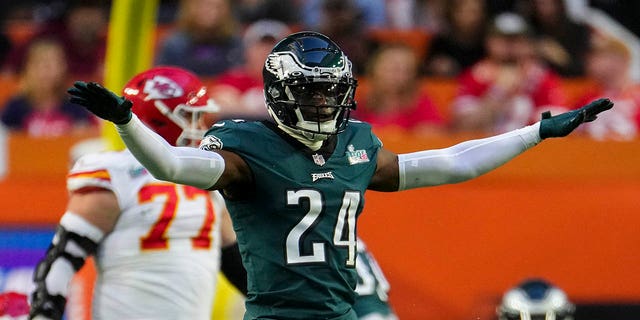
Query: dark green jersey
373, 287
296, 228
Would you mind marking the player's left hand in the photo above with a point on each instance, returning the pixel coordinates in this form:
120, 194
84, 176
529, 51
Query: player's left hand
562, 124
101, 102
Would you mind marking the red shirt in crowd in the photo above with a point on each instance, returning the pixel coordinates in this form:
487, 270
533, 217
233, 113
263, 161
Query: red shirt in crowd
537, 89
620, 123
422, 112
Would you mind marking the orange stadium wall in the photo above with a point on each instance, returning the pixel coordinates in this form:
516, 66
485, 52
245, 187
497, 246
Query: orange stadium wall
567, 210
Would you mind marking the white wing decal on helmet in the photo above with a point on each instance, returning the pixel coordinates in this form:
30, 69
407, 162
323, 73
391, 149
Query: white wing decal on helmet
285, 64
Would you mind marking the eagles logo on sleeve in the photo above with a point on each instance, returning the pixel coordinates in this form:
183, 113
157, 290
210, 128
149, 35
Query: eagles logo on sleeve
210, 143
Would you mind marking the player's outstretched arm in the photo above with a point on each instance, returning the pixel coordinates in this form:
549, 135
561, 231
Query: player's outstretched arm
473, 158
184, 165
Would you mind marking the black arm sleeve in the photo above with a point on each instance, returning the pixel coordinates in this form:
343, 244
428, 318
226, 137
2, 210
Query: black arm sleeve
52, 304
232, 268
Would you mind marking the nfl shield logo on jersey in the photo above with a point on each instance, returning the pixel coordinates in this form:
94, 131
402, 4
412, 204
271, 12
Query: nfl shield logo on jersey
318, 159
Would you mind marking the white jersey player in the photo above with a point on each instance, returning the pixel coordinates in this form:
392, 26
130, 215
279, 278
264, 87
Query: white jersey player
162, 255
156, 243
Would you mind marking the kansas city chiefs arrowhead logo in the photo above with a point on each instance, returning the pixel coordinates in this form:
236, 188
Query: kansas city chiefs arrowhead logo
161, 87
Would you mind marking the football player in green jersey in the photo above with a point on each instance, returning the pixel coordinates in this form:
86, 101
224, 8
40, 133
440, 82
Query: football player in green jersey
372, 301
295, 185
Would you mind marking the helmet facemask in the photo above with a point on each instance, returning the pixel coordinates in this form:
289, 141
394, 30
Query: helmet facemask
315, 109
189, 119
309, 91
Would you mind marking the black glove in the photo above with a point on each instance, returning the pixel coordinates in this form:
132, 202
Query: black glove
45, 306
101, 102
562, 124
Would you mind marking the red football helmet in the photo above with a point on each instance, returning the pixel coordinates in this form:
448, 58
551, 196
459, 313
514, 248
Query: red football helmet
170, 100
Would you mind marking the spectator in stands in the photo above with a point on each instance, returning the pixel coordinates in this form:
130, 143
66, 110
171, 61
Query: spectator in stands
239, 91
561, 42
393, 97
608, 65
205, 40
249, 11
342, 21
462, 43
41, 108
81, 28
624, 12
373, 12
6, 42
510, 86
425, 15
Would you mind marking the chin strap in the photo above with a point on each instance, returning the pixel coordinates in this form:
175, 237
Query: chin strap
314, 145
311, 140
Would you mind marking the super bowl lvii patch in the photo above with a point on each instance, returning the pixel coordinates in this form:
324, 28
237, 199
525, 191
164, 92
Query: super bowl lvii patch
356, 156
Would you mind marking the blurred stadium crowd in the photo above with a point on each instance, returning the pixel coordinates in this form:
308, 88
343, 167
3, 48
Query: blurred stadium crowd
428, 67
425, 66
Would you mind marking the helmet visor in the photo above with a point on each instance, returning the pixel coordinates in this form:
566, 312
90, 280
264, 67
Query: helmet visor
322, 94
322, 106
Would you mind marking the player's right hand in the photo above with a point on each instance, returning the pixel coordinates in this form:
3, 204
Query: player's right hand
101, 102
